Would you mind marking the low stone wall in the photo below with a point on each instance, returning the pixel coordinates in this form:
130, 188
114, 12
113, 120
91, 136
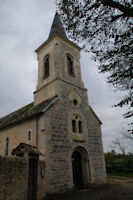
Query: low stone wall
41, 183
13, 178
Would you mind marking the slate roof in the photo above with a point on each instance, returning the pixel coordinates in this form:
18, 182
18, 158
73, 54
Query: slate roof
26, 112
57, 28
25, 148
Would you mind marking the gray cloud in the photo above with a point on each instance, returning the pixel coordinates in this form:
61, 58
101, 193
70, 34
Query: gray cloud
24, 26
102, 97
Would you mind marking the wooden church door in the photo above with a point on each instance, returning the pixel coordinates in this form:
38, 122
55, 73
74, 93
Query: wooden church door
77, 170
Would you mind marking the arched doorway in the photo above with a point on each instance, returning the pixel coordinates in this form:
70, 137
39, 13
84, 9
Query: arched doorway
80, 167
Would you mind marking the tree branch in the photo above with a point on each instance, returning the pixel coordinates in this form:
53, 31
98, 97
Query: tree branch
128, 12
116, 17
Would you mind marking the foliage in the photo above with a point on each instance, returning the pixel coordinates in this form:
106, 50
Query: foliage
119, 163
105, 27
123, 174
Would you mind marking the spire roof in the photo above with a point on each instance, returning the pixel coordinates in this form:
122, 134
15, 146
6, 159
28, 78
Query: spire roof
57, 28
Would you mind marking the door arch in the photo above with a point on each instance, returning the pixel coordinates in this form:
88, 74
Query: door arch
80, 167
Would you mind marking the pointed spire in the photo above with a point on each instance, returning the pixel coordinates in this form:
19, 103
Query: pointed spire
57, 28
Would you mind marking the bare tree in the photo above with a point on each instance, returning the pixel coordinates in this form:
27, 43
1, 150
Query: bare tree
119, 144
124, 143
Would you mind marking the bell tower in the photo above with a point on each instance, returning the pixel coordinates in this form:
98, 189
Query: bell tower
58, 61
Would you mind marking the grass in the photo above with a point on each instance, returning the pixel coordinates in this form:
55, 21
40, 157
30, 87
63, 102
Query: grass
122, 174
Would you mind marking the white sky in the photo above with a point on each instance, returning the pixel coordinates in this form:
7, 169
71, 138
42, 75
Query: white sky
25, 25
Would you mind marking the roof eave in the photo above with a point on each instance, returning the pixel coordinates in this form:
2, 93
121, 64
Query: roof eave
32, 116
95, 115
49, 39
21, 120
26, 148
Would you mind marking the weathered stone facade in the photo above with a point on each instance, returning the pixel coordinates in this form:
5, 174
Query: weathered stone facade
66, 130
16, 135
60, 143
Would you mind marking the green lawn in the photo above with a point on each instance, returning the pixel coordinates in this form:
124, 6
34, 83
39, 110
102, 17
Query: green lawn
121, 174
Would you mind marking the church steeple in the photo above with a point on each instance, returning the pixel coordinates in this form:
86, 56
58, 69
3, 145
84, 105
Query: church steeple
58, 62
57, 28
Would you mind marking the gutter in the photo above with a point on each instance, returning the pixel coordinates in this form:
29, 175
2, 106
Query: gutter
50, 104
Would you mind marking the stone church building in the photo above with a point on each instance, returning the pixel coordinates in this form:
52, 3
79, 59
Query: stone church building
59, 123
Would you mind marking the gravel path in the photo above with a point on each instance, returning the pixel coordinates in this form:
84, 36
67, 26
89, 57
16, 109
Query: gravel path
117, 188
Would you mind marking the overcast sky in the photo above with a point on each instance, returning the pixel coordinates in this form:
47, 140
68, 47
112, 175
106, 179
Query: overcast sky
25, 25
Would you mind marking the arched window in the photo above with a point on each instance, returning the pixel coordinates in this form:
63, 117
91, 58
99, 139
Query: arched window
80, 126
70, 66
46, 67
74, 126
7, 145
77, 126
29, 135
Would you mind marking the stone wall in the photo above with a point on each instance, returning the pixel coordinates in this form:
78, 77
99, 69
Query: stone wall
60, 142
17, 134
41, 184
13, 178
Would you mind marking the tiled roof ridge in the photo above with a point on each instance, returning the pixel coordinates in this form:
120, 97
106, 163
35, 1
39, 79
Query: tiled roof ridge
25, 112
17, 110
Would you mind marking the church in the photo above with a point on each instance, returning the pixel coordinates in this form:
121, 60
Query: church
59, 123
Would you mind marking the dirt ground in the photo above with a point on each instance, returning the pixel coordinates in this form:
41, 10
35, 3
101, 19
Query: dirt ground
117, 188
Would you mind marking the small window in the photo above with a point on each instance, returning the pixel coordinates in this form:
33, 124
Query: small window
75, 102
80, 126
29, 135
70, 66
46, 67
7, 146
77, 126
74, 126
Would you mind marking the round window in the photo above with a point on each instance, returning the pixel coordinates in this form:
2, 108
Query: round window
75, 102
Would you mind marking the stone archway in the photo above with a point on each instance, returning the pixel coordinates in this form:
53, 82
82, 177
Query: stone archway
80, 165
